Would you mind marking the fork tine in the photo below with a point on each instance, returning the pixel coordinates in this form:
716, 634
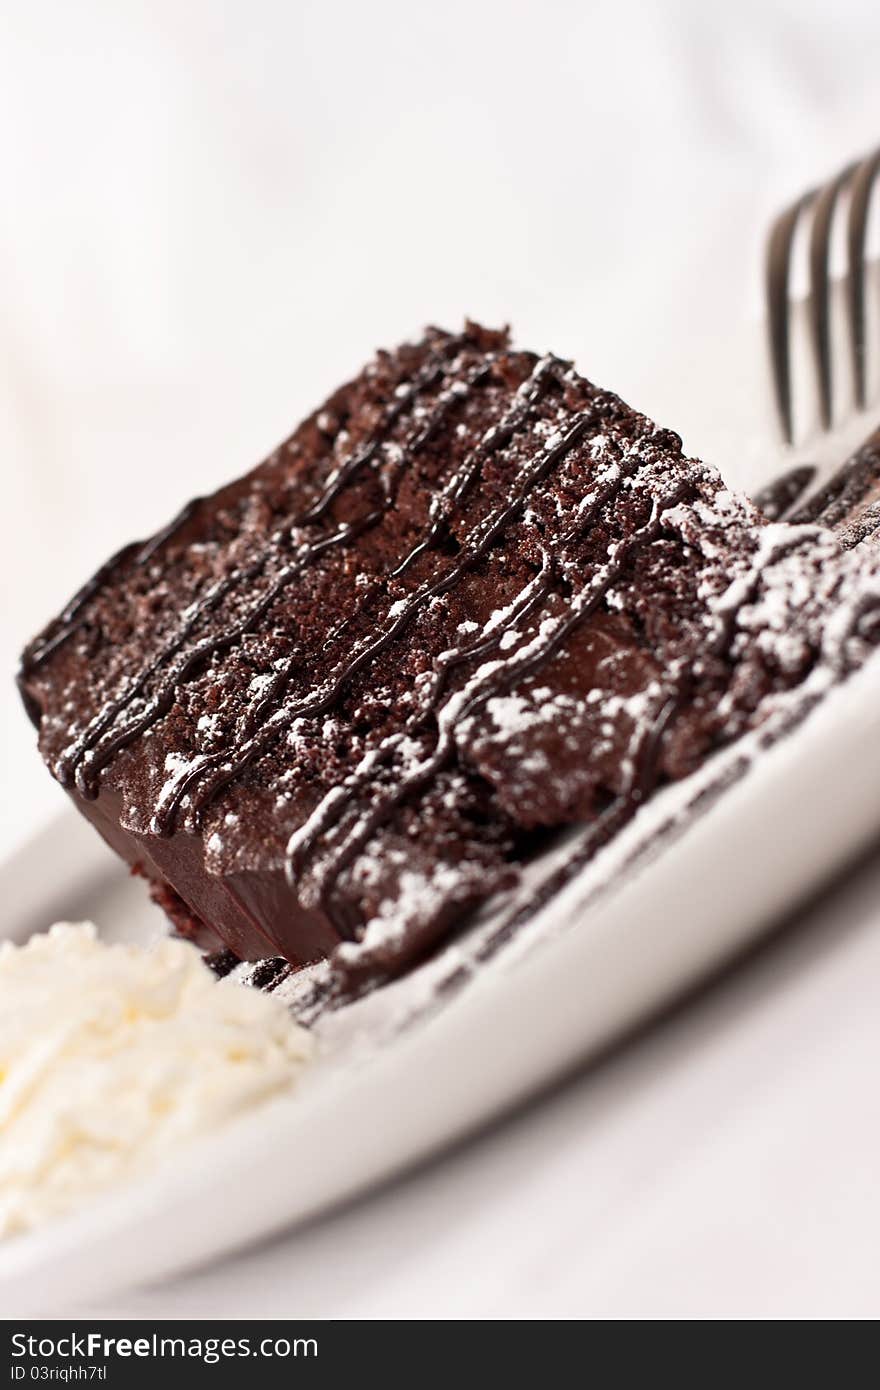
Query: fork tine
779, 246
820, 287
857, 231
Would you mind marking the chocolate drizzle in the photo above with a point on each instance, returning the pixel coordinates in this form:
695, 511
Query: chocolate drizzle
486, 684
226, 767
79, 762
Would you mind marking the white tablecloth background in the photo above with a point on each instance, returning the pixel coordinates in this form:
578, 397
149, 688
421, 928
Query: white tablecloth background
209, 213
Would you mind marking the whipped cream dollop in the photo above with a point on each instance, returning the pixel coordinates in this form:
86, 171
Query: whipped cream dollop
111, 1056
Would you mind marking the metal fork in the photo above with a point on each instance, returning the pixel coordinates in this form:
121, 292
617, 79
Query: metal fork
819, 205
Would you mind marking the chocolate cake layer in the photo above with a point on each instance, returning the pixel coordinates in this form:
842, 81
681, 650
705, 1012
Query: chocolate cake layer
472, 600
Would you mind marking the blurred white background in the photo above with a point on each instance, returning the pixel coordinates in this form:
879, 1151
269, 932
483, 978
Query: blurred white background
212, 212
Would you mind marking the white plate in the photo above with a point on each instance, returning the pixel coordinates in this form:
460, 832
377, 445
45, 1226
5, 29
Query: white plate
399, 1074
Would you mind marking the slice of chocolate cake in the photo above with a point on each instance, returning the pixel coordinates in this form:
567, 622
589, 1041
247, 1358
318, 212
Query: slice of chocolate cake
471, 601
